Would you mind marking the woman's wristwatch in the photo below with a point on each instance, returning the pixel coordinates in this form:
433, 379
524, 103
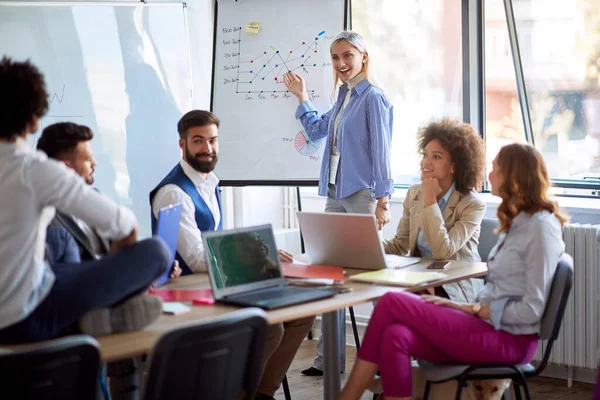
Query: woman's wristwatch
476, 309
386, 205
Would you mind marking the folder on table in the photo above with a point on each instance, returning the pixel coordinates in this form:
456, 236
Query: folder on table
398, 277
292, 270
181, 294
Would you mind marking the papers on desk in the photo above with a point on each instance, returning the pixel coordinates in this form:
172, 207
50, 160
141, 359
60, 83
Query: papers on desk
398, 277
175, 308
312, 282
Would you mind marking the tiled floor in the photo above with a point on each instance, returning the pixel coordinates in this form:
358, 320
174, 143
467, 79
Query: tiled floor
311, 388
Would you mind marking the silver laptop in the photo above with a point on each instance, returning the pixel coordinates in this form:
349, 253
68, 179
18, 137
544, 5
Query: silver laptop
244, 270
346, 240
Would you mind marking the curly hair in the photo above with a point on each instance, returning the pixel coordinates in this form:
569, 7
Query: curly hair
466, 148
59, 140
23, 96
525, 184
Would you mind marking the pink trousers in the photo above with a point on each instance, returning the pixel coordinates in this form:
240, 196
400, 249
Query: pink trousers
403, 326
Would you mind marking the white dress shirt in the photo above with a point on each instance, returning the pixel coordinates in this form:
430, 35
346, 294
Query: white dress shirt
33, 187
189, 244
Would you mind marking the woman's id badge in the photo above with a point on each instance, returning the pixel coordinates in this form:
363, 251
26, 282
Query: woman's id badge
334, 162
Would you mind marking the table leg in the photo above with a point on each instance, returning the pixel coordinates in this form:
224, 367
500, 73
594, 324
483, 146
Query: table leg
331, 355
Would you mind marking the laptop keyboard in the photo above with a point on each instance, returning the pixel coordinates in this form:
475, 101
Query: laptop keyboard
281, 296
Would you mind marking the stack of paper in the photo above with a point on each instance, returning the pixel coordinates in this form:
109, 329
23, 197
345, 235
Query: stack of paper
398, 277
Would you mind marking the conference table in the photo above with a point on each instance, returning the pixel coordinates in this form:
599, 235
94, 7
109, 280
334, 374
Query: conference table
125, 345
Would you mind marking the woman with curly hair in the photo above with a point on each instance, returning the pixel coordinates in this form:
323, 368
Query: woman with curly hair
503, 326
442, 215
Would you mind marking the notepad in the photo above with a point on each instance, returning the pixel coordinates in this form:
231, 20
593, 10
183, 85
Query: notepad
398, 277
175, 308
252, 27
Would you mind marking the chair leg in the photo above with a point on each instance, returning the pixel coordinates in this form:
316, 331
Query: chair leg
526, 387
517, 390
286, 389
427, 389
354, 328
460, 381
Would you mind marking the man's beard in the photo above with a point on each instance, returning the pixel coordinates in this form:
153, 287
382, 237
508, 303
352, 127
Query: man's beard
90, 179
201, 166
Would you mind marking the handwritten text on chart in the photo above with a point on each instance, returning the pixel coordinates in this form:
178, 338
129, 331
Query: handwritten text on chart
271, 96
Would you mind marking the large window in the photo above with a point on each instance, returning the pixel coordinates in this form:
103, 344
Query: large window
560, 52
504, 121
415, 49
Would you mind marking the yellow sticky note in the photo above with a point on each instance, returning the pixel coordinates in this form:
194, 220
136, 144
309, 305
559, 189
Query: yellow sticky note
252, 27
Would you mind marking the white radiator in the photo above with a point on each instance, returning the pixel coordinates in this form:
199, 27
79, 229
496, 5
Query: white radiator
578, 344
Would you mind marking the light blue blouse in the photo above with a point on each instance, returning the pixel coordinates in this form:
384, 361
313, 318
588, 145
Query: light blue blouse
364, 140
521, 269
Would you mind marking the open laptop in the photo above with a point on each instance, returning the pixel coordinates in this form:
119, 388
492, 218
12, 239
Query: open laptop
167, 228
347, 240
244, 270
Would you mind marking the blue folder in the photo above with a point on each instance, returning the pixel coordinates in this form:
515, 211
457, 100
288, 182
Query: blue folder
167, 228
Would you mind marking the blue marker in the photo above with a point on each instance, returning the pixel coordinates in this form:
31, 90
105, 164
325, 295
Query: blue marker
321, 34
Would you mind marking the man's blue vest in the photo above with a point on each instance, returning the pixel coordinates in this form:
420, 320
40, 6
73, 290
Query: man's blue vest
204, 218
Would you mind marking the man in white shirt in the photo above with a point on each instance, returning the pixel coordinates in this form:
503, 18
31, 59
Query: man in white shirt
39, 301
193, 183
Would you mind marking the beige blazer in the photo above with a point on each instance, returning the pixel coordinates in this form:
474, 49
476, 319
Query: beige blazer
451, 235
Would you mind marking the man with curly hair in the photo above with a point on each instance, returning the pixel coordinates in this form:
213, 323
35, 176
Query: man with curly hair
442, 215
39, 301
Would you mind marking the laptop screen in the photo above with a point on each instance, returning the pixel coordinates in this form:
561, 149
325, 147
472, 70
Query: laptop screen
243, 258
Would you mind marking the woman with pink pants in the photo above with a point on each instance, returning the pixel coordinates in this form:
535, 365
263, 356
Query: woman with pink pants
503, 325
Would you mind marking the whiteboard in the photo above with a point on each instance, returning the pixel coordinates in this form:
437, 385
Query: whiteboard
260, 139
122, 70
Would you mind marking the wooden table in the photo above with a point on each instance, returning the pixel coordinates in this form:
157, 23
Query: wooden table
125, 345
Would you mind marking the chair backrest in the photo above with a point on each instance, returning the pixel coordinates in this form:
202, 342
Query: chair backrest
211, 360
65, 368
557, 300
487, 237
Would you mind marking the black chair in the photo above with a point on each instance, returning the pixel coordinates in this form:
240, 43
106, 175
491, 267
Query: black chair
487, 237
286, 389
551, 322
214, 360
65, 368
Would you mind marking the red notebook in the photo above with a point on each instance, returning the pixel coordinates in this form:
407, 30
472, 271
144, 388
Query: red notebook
291, 270
181, 294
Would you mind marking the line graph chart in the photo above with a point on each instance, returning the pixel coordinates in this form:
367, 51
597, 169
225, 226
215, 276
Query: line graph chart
263, 73
60, 99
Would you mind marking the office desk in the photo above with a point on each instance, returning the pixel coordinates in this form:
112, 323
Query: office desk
125, 345
120, 346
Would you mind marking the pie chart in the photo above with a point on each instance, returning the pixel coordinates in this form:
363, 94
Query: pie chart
304, 145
